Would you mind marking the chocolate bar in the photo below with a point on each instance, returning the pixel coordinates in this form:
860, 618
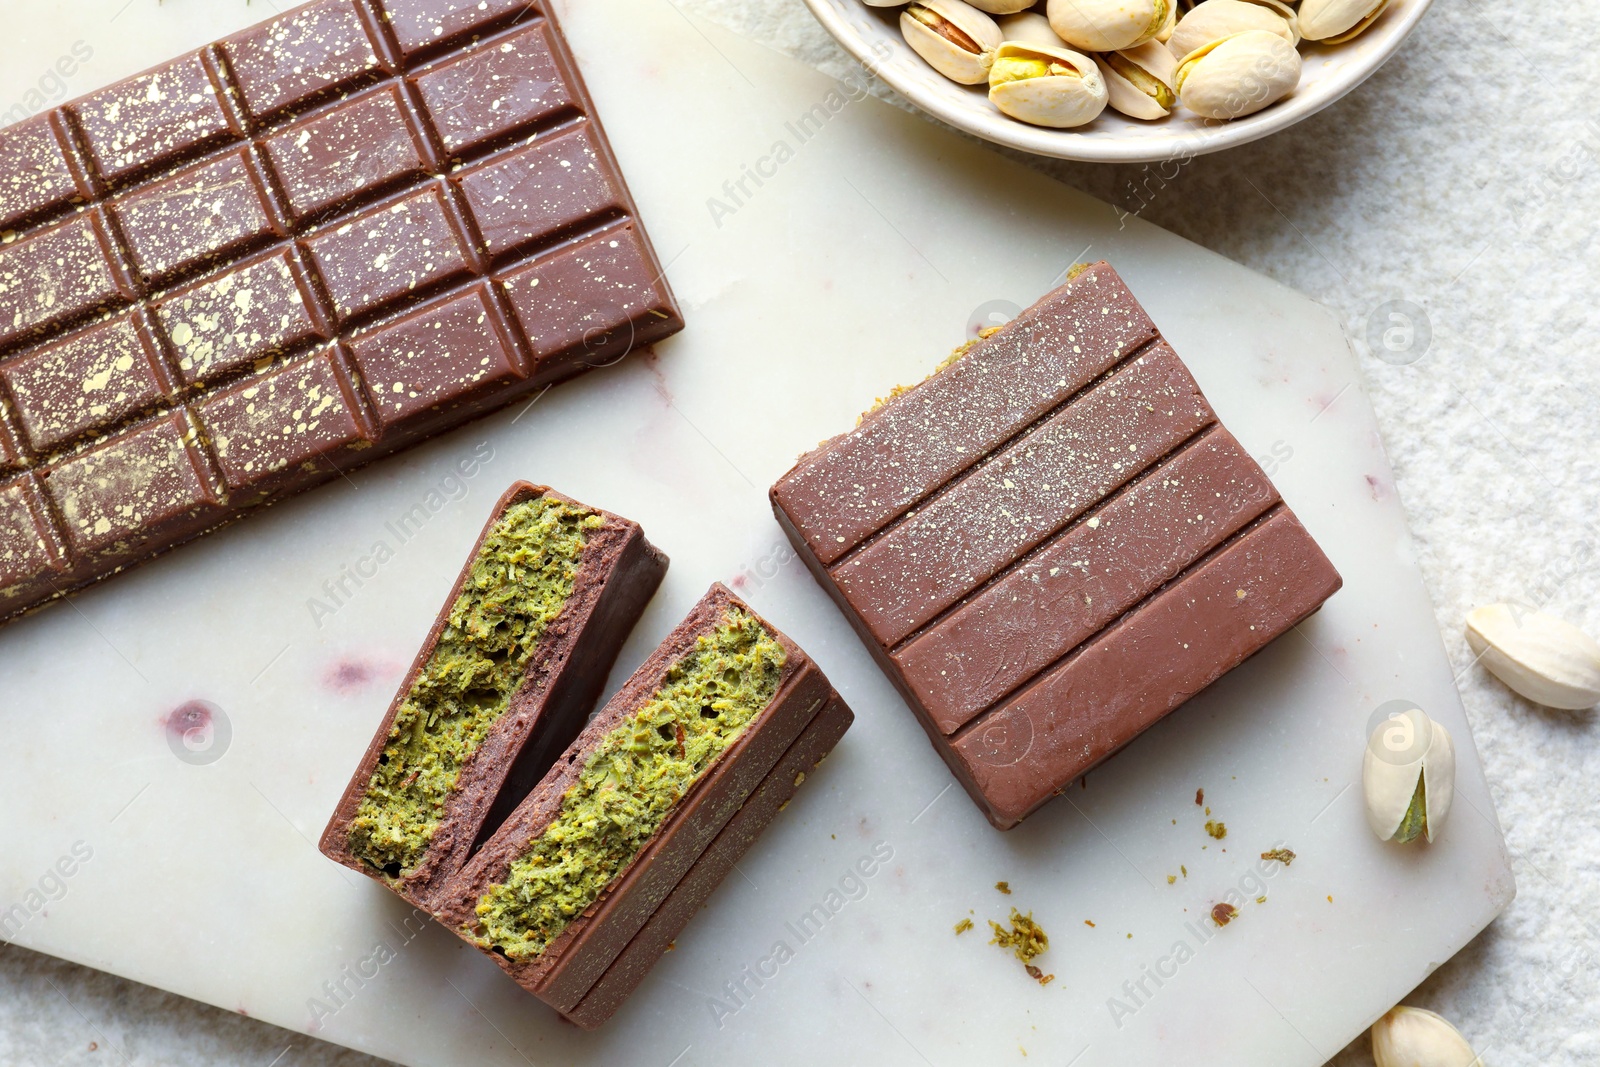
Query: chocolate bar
249, 270
629, 969
1051, 543
561, 889
504, 681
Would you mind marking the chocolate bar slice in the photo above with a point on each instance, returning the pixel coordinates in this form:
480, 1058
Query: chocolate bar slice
503, 683
570, 879
1051, 543
248, 270
629, 969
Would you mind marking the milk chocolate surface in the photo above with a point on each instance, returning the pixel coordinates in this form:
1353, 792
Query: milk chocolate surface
1035, 541
617, 573
291, 252
582, 953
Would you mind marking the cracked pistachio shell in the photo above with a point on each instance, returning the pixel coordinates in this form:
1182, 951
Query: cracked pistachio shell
1215, 19
1238, 75
1060, 101
1139, 80
1408, 774
955, 38
1539, 656
1415, 1037
1336, 21
1107, 25
1029, 27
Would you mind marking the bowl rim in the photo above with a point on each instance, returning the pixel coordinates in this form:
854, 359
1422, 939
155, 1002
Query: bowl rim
1193, 138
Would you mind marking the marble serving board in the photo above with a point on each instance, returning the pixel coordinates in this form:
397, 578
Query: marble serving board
825, 247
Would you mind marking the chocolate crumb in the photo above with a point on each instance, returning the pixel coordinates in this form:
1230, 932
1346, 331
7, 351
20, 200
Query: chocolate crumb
1223, 914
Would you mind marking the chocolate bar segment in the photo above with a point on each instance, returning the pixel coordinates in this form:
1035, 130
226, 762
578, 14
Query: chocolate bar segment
1017, 535
555, 895
504, 681
629, 969
340, 178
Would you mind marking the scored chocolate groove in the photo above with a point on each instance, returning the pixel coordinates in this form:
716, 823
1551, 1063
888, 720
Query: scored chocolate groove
288, 253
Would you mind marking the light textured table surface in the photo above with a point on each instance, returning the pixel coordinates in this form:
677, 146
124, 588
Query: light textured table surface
1457, 181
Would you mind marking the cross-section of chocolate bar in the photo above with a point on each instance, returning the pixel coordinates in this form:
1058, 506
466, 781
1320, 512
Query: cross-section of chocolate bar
291, 252
563, 887
503, 683
1051, 543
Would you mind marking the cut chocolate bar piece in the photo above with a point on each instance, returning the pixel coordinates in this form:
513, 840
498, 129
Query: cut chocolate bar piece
682, 904
503, 683
578, 870
385, 217
1051, 543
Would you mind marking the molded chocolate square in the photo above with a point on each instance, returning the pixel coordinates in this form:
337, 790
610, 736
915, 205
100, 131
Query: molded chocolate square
136, 125
435, 358
1016, 537
197, 216
588, 304
93, 379
292, 420
31, 557
425, 25
247, 313
390, 253
35, 178
530, 193
145, 485
302, 56
617, 573
56, 275
493, 91
356, 147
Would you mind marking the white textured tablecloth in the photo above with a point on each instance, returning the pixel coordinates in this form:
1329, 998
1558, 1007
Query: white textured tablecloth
1459, 181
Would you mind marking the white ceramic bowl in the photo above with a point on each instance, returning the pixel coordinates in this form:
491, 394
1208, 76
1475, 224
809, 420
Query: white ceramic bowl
872, 35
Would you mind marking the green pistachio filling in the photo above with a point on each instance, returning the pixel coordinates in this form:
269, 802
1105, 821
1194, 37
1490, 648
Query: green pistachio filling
519, 582
1023, 67
631, 782
1415, 822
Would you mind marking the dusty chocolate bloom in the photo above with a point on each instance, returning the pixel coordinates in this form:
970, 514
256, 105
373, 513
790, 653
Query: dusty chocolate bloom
559, 892
503, 683
286, 254
1051, 543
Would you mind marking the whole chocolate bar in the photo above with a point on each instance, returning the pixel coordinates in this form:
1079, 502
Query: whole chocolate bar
1051, 543
560, 890
506, 678
261, 264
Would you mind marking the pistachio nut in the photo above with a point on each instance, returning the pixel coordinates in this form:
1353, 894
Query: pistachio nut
1416, 1037
1107, 25
1539, 656
1336, 21
1215, 19
1139, 80
1046, 85
1029, 27
955, 38
1164, 34
1002, 7
1408, 774
1238, 75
